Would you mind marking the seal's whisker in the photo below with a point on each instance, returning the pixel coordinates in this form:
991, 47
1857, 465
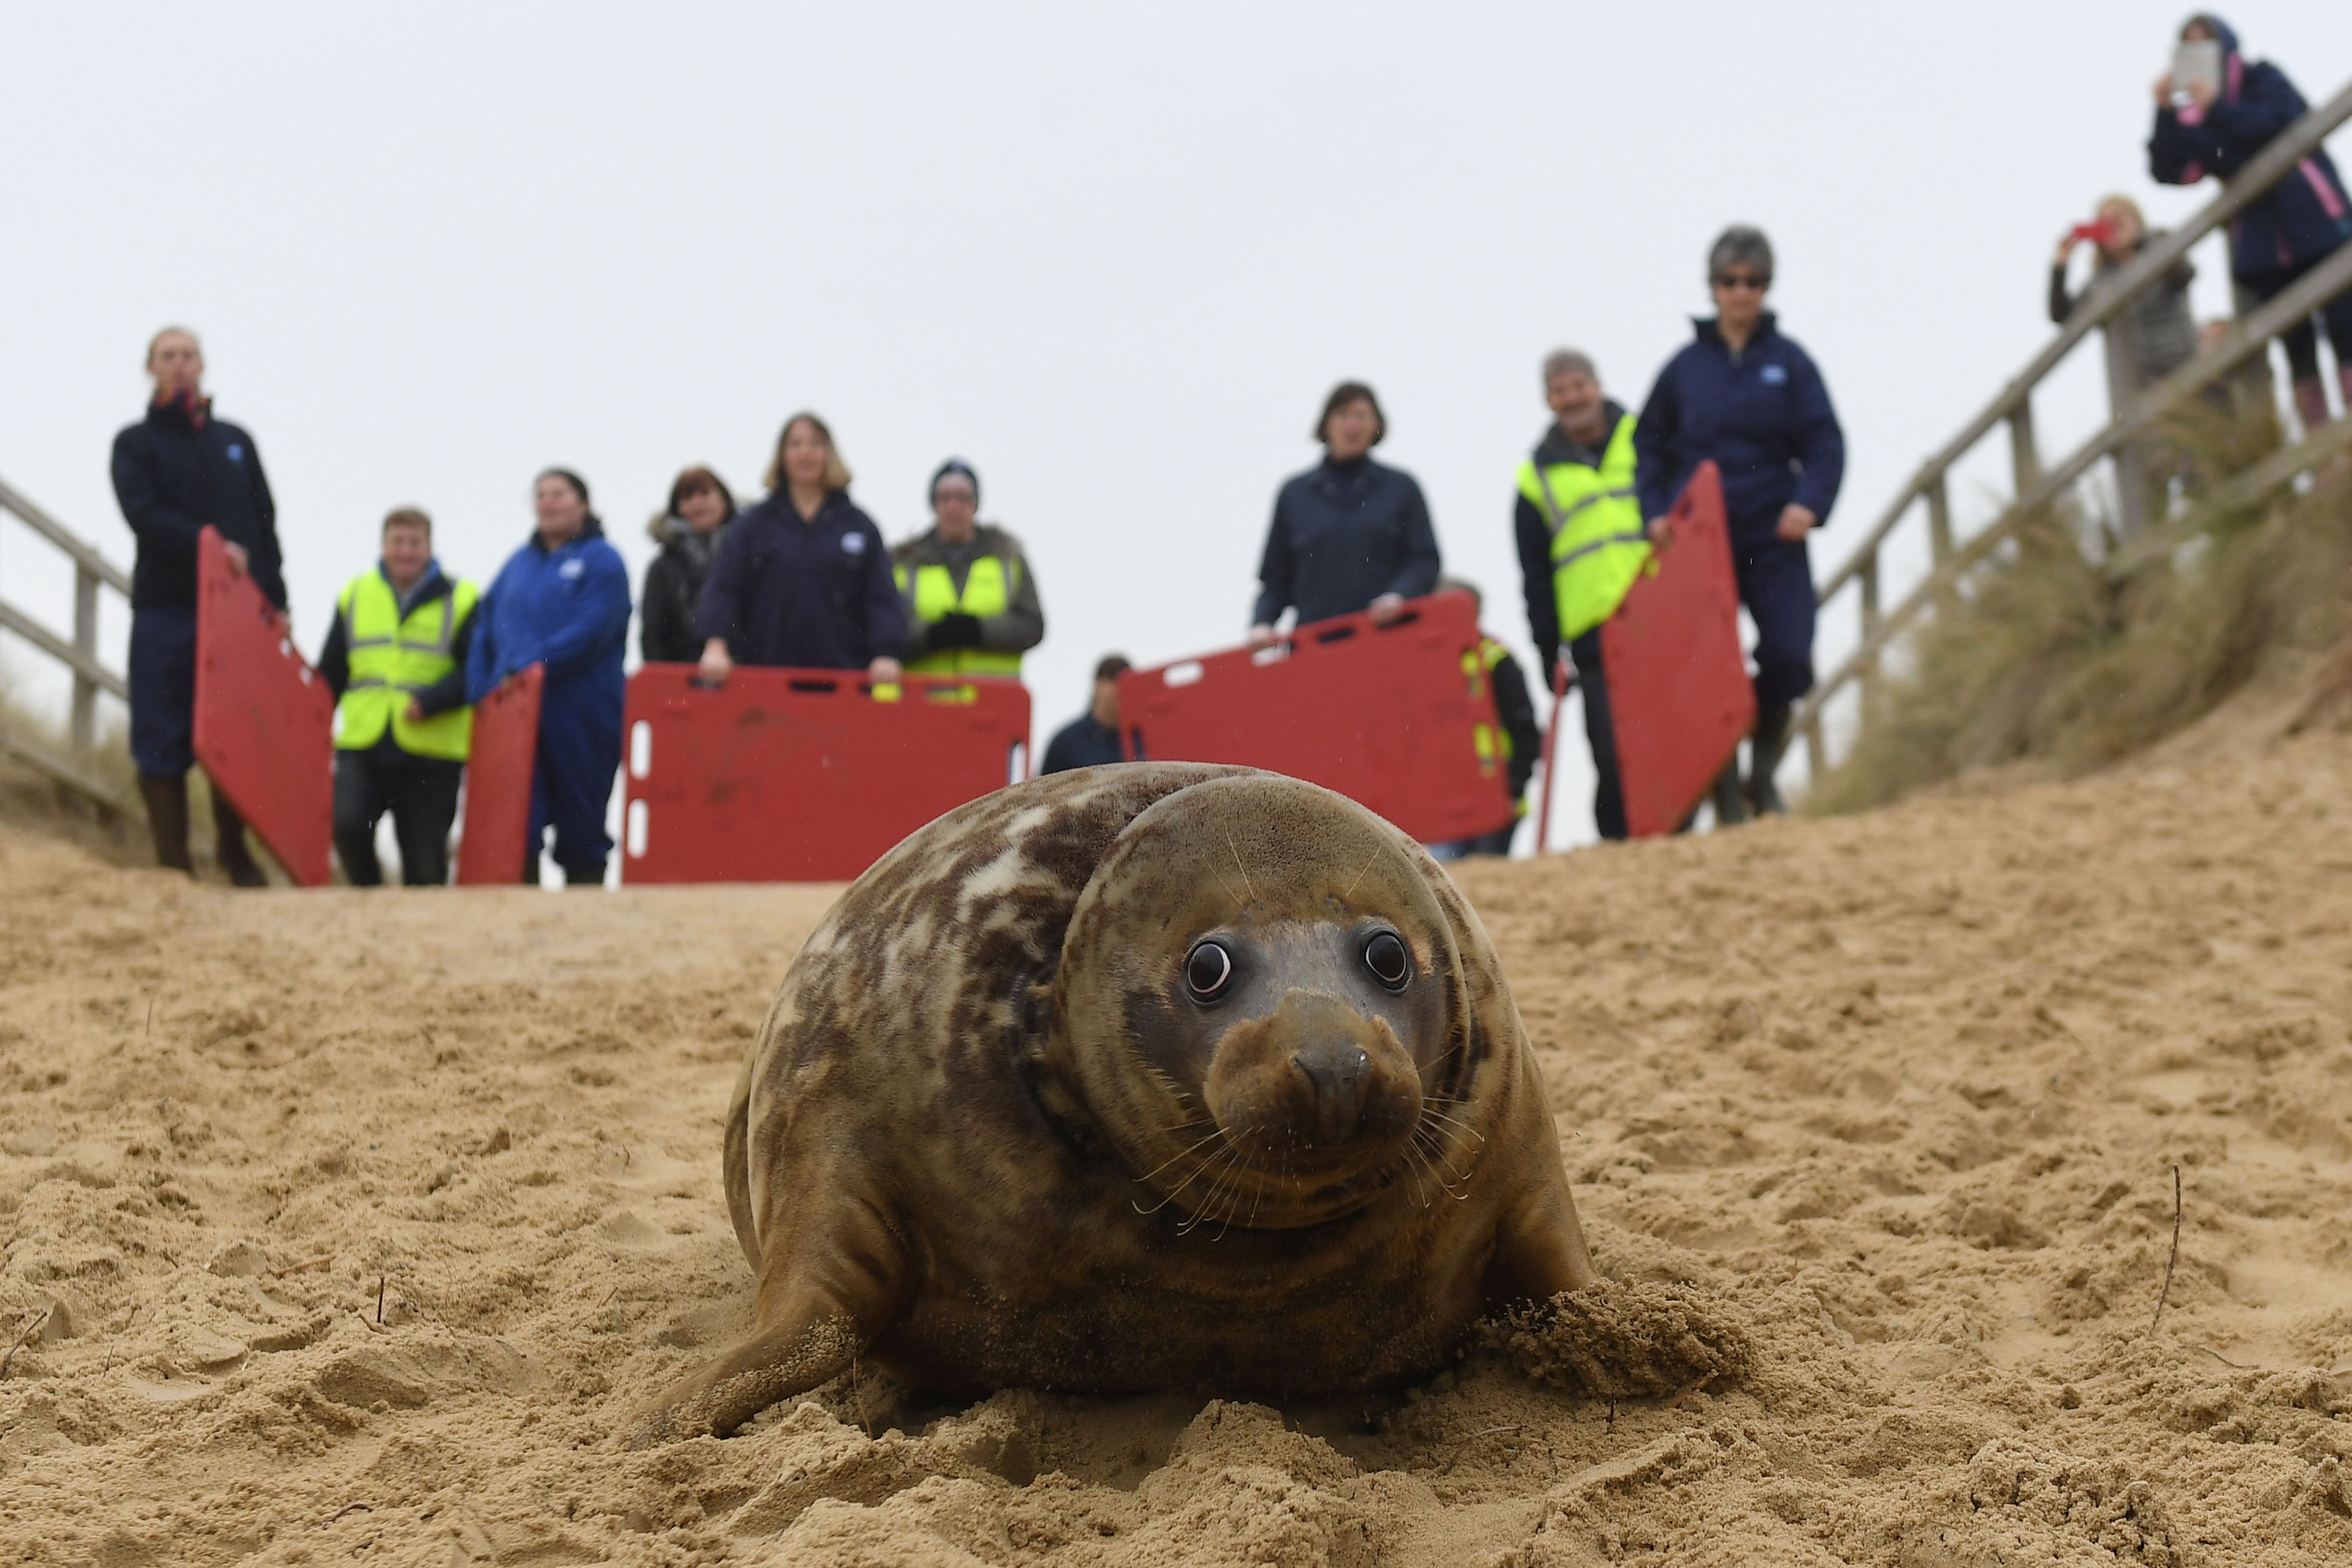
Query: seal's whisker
1467, 1130
1446, 1167
1207, 1161
1224, 1160
1238, 862
1214, 1134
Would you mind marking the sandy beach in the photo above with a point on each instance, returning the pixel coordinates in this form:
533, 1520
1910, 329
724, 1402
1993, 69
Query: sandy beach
349, 1227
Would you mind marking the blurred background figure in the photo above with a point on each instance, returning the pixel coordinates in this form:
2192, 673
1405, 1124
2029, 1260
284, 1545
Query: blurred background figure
803, 580
2247, 392
2152, 337
690, 531
1091, 739
1582, 542
395, 659
562, 601
177, 471
1512, 751
1348, 534
1751, 399
2214, 113
971, 599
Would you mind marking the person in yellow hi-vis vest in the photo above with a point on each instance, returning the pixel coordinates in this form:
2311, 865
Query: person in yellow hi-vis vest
1510, 751
395, 659
1582, 544
972, 601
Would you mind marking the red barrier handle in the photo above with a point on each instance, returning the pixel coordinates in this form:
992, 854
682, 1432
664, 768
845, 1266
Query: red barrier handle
1561, 682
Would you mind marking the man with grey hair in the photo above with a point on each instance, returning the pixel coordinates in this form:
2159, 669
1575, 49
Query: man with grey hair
1751, 400
1582, 544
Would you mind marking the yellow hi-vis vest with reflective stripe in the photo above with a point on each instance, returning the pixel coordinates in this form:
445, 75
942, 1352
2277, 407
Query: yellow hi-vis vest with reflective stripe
987, 590
391, 660
1491, 742
1598, 544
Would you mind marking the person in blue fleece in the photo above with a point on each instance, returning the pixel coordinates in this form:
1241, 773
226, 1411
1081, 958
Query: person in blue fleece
1751, 399
562, 601
2207, 128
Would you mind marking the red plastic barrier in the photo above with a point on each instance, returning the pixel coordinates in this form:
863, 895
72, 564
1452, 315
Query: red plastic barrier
803, 774
497, 835
265, 722
1679, 697
1387, 715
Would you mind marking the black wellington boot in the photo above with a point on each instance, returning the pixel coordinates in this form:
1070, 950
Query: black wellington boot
1730, 804
167, 820
1764, 753
229, 847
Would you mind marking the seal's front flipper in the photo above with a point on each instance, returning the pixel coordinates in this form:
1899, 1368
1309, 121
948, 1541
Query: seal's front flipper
1539, 1249
820, 1302
790, 1358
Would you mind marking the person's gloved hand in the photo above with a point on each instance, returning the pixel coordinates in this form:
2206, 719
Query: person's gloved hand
955, 631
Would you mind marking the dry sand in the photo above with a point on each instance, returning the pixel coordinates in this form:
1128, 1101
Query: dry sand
1898, 1097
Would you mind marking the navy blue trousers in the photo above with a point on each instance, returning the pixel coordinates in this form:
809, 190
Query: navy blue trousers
1775, 583
579, 753
163, 679
1608, 791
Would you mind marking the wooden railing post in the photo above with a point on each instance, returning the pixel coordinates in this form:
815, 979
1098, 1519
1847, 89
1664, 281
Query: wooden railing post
2024, 458
85, 636
1816, 763
1869, 584
1939, 518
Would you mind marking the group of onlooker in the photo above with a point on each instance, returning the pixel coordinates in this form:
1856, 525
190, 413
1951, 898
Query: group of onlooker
803, 579
1352, 535
2215, 112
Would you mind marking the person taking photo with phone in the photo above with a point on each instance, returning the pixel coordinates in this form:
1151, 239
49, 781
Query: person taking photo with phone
2215, 111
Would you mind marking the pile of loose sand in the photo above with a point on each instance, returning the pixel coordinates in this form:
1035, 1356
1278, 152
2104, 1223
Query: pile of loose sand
1873, 1121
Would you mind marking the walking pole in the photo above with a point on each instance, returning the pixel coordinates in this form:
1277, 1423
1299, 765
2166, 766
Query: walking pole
1561, 682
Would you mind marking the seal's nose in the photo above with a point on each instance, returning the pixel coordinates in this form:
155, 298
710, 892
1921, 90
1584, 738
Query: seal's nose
1337, 1068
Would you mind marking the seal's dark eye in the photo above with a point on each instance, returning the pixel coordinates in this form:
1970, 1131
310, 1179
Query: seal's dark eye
1386, 958
1208, 971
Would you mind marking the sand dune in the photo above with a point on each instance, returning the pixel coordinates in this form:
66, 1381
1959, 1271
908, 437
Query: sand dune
1899, 1098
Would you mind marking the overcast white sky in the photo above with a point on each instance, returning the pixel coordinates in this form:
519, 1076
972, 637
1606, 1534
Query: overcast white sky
1115, 255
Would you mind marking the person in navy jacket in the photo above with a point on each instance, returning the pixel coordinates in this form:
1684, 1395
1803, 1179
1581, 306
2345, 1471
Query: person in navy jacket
804, 580
2205, 129
562, 601
1348, 534
1749, 399
177, 471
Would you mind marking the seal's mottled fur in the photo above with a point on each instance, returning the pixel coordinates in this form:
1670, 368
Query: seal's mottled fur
988, 1138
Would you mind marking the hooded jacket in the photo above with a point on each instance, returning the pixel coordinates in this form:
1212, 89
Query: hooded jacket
673, 592
2303, 218
812, 595
1762, 414
173, 477
1022, 626
566, 608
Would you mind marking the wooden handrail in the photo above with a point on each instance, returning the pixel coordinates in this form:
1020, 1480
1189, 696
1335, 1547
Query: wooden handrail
2286, 149
2037, 487
57, 534
92, 572
2247, 335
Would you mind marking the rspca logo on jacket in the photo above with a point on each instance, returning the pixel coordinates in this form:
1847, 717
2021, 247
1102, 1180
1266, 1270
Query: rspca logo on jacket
852, 544
237, 452
1773, 375
571, 568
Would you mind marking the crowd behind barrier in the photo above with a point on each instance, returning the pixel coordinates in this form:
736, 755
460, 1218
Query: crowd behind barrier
803, 579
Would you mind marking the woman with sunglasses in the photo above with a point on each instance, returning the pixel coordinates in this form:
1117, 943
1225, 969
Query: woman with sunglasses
1751, 400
